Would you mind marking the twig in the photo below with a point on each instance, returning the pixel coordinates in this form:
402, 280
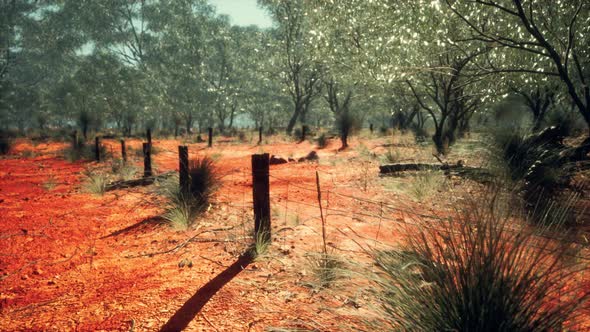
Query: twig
317, 179
207, 320
186, 242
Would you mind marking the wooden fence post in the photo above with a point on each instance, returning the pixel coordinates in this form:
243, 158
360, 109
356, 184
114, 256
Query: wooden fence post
149, 136
123, 151
97, 148
303, 132
259, 135
261, 196
75, 140
210, 137
147, 160
183, 168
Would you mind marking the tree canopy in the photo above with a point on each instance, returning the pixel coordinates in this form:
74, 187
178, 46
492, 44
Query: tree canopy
180, 65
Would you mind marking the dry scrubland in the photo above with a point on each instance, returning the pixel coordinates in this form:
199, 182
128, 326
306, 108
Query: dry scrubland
74, 258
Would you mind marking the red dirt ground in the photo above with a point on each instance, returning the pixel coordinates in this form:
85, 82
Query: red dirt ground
73, 261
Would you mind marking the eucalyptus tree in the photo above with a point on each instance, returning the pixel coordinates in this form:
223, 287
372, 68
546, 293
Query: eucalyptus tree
227, 68
37, 48
178, 61
261, 95
389, 43
300, 75
554, 34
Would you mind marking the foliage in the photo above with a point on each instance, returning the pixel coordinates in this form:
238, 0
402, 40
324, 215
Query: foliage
123, 170
5, 144
541, 165
322, 141
346, 123
482, 276
82, 151
326, 269
96, 183
424, 184
183, 207
392, 156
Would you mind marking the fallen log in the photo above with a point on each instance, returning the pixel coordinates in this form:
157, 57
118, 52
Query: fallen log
473, 173
396, 168
145, 181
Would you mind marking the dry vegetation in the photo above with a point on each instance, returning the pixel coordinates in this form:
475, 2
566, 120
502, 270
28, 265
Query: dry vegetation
420, 251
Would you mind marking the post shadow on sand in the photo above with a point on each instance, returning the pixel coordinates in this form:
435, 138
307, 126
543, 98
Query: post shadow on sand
189, 310
157, 220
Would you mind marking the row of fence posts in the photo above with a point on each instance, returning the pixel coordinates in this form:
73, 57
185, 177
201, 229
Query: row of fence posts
260, 179
147, 146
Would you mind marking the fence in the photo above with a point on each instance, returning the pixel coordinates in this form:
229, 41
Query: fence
296, 199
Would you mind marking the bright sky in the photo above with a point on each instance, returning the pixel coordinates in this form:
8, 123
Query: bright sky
243, 12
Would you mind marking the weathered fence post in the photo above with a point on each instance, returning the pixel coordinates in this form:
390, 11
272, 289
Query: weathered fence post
97, 148
123, 151
149, 136
259, 135
183, 168
261, 196
75, 140
147, 160
210, 136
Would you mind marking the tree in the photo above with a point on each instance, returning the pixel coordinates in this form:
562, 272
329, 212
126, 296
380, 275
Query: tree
299, 73
550, 31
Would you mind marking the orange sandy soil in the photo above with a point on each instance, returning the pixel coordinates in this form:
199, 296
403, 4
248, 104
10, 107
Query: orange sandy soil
70, 260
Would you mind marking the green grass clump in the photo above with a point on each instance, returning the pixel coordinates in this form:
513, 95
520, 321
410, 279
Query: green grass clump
392, 156
325, 268
96, 183
124, 171
260, 246
482, 276
184, 206
424, 184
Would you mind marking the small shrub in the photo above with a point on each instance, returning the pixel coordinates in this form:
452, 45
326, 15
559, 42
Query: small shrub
242, 136
482, 276
96, 183
326, 269
184, 207
5, 144
538, 164
424, 184
82, 151
392, 156
420, 133
260, 246
124, 171
322, 141
203, 180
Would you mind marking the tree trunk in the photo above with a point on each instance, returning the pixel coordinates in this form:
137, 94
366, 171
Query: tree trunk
439, 141
293, 121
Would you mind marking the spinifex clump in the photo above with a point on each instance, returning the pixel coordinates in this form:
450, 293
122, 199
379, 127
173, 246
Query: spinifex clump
185, 205
479, 272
